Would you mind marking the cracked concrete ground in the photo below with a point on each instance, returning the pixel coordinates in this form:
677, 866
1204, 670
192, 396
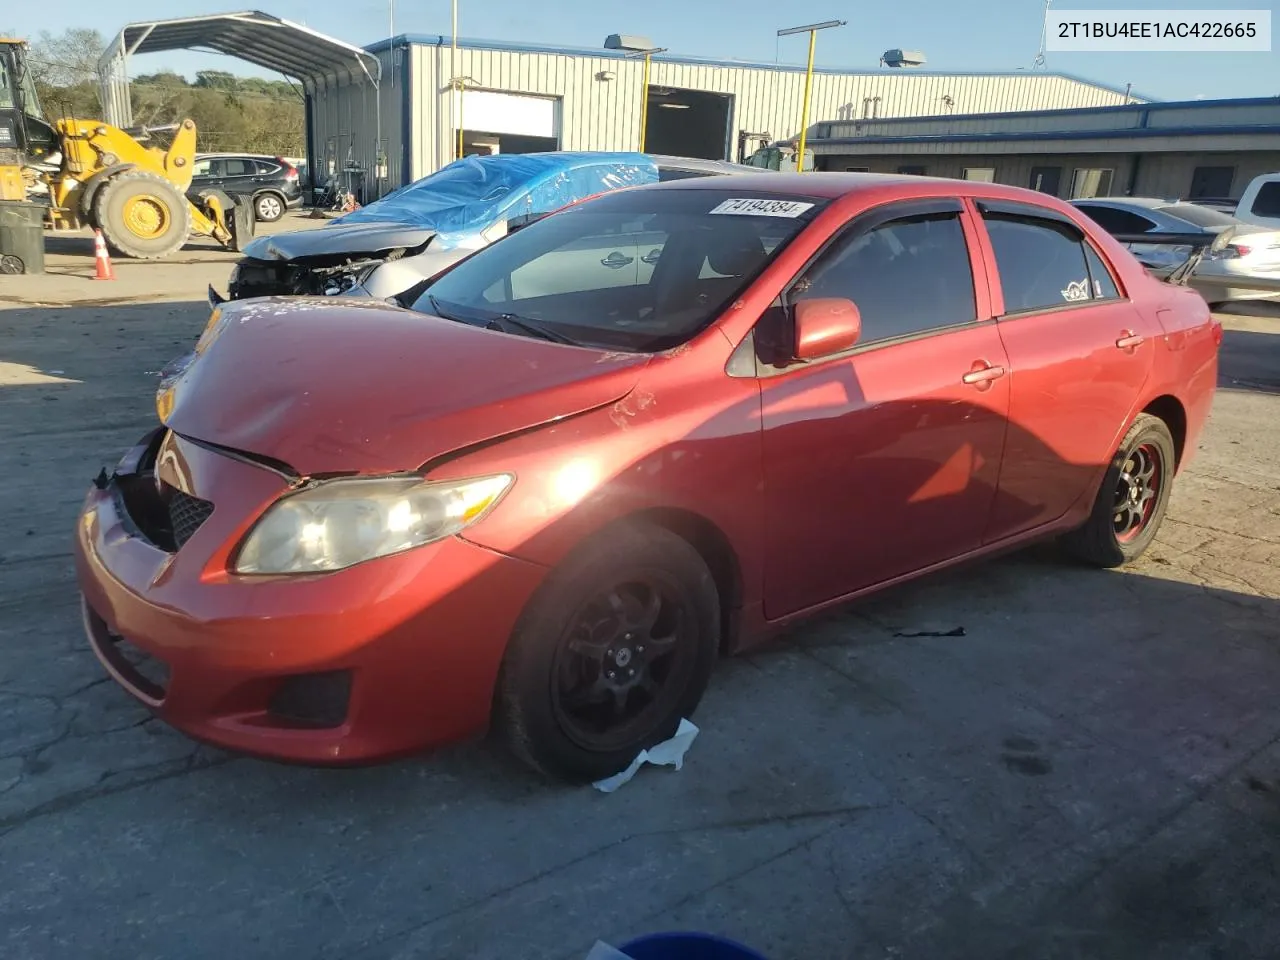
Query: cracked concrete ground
1090, 769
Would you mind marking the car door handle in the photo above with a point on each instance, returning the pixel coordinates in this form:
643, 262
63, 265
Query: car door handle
1129, 340
616, 260
983, 374
652, 256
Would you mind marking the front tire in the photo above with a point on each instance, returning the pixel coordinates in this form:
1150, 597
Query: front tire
1132, 500
142, 215
612, 652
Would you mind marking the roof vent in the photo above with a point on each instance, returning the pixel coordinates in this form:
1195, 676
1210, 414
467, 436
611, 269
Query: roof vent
902, 58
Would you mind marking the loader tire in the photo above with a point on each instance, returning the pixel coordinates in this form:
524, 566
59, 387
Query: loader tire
142, 215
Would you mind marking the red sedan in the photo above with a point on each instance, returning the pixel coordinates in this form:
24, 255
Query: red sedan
653, 428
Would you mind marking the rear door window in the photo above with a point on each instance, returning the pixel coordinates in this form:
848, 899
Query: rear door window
1042, 263
237, 167
1104, 285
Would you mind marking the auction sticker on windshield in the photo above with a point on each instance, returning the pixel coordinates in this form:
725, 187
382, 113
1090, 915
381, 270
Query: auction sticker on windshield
763, 208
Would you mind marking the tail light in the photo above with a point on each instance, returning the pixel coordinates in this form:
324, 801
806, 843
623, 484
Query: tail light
1240, 249
1216, 325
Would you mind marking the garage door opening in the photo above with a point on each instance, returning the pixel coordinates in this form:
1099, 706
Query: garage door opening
688, 123
485, 142
495, 121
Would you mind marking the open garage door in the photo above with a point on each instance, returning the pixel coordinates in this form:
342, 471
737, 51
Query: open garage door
688, 123
497, 122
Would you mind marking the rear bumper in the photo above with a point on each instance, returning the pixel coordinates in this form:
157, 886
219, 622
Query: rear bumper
382, 659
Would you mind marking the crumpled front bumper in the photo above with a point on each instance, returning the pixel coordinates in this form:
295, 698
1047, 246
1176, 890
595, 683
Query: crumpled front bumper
385, 658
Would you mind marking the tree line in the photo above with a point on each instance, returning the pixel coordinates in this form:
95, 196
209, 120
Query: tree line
232, 114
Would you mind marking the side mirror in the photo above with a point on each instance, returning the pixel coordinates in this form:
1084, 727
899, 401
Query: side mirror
825, 325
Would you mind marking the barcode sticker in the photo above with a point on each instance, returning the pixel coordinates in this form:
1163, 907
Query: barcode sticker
763, 208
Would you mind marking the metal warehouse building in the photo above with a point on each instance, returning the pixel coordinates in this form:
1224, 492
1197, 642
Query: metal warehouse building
1194, 149
516, 98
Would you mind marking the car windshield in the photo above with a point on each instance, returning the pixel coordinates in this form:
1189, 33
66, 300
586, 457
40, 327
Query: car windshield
640, 270
1200, 216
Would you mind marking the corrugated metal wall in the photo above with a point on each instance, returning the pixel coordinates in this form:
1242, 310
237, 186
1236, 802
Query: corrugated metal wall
1160, 118
1159, 175
601, 95
345, 122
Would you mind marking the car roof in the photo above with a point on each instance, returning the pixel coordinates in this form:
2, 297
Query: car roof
878, 186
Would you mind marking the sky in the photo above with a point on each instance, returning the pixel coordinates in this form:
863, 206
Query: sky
965, 35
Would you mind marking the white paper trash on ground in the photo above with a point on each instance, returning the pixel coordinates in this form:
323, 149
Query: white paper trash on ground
668, 753
602, 951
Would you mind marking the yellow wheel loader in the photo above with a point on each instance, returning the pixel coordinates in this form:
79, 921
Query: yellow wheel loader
135, 194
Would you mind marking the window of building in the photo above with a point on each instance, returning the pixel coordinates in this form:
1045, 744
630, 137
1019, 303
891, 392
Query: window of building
906, 276
912, 170
1046, 179
857, 169
981, 174
1091, 182
1211, 182
1042, 263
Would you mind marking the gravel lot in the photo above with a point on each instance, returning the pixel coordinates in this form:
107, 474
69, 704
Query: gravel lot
1092, 770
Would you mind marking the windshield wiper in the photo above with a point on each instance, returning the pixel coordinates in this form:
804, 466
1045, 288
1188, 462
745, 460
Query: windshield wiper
440, 311
530, 327
504, 322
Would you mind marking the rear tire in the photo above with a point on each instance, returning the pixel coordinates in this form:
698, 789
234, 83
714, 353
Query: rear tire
269, 207
142, 215
616, 647
1132, 500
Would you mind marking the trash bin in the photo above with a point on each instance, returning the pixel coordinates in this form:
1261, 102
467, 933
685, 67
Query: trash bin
21, 237
687, 946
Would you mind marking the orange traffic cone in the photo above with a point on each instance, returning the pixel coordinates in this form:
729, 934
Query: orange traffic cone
102, 260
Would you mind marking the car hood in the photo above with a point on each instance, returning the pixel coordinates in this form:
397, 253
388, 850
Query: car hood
327, 386
337, 238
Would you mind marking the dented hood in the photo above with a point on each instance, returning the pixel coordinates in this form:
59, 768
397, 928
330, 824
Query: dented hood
337, 387
354, 239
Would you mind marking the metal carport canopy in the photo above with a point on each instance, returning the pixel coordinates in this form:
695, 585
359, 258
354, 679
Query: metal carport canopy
256, 37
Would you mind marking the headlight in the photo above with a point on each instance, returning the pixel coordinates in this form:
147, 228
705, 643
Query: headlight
344, 522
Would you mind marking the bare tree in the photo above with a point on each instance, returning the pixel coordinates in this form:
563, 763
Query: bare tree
68, 58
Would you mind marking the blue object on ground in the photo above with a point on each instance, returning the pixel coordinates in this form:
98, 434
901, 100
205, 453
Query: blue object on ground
687, 946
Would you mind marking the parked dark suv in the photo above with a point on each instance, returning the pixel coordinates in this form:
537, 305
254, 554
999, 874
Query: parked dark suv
272, 182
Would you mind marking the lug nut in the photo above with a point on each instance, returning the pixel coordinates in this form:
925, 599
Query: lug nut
631, 673
610, 674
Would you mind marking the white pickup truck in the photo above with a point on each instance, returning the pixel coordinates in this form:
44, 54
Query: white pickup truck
1260, 202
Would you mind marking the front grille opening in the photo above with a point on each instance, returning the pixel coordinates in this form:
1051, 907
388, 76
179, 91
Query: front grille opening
186, 514
313, 700
161, 514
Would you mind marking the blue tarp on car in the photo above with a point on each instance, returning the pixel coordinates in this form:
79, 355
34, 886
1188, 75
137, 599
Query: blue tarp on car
470, 195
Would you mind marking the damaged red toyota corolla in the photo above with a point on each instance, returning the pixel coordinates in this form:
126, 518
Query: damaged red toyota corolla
646, 430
